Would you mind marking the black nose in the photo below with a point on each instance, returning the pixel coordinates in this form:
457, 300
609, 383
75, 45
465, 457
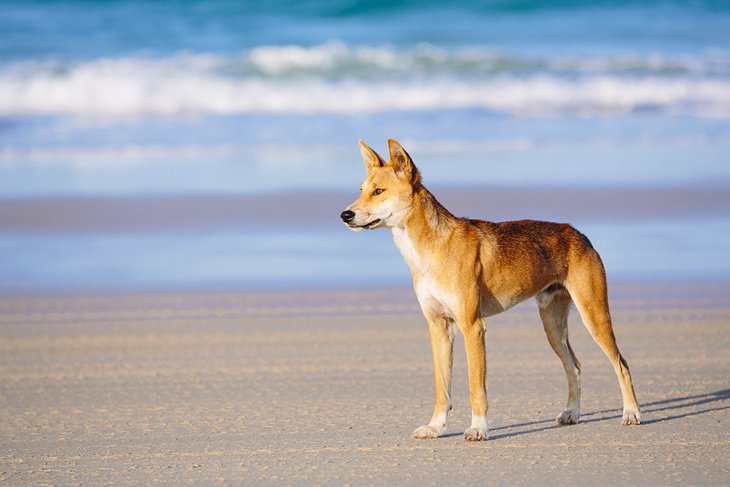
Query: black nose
347, 216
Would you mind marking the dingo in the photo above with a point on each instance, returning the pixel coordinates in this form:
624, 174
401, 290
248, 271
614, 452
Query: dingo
465, 270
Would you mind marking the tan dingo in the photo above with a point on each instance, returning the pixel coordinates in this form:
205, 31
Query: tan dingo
465, 270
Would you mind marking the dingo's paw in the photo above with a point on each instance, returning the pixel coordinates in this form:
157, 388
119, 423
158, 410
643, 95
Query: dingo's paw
475, 434
631, 417
569, 416
427, 432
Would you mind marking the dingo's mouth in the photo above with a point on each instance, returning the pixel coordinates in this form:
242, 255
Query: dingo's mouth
367, 226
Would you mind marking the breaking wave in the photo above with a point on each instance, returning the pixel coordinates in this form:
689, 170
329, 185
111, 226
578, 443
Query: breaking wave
336, 78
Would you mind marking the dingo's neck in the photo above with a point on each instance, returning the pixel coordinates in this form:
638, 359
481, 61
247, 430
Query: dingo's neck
426, 225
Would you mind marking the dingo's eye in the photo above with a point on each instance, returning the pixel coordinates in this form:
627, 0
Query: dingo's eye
377, 191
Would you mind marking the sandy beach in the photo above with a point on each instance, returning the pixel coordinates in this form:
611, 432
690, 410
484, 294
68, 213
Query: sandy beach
326, 387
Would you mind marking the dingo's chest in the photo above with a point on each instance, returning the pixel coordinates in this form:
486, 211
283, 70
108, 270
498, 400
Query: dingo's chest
431, 294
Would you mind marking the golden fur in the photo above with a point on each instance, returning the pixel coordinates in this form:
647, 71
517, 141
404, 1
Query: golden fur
466, 270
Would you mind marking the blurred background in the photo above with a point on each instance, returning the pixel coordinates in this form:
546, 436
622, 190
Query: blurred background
167, 145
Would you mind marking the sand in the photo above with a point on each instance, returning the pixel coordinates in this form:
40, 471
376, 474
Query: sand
326, 387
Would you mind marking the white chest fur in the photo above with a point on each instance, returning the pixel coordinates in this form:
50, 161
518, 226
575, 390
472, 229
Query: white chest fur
432, 297
407, 250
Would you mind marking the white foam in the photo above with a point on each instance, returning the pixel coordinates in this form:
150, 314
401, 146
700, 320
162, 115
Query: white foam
334, 78
338, 57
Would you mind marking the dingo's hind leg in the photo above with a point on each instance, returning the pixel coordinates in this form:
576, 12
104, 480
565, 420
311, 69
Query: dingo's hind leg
587, 287
554, 304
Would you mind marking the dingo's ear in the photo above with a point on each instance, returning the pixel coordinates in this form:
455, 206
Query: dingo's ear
371, 158
402, 162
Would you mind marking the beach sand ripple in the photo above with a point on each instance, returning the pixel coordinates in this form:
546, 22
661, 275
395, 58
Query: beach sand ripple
326, 388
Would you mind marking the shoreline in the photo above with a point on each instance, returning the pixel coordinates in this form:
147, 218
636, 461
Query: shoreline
654, 290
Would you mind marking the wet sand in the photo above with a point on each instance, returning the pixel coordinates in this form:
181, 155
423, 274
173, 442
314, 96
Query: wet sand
267, 211
325, 388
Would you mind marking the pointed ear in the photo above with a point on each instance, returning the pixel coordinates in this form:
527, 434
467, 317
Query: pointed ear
402, 162
371, 158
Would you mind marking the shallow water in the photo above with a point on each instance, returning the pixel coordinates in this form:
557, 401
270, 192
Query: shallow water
651, 251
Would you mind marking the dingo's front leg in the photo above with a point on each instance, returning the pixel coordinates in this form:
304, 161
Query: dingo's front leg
477, 364
442, 345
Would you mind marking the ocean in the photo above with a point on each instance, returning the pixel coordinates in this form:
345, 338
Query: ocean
108, 106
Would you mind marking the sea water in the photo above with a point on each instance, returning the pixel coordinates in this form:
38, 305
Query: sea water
134, 98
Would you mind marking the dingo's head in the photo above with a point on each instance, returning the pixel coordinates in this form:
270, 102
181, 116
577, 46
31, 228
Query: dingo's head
386, 195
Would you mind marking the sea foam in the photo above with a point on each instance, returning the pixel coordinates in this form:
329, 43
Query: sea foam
335, 78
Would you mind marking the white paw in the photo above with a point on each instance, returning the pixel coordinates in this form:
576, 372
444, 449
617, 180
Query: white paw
475, 434
631, 416
427, 432
569, 416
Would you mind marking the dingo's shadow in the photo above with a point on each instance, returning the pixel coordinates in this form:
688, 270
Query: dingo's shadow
675, 403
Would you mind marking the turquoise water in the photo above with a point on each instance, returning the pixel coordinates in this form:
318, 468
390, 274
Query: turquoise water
128, 98
211, 96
